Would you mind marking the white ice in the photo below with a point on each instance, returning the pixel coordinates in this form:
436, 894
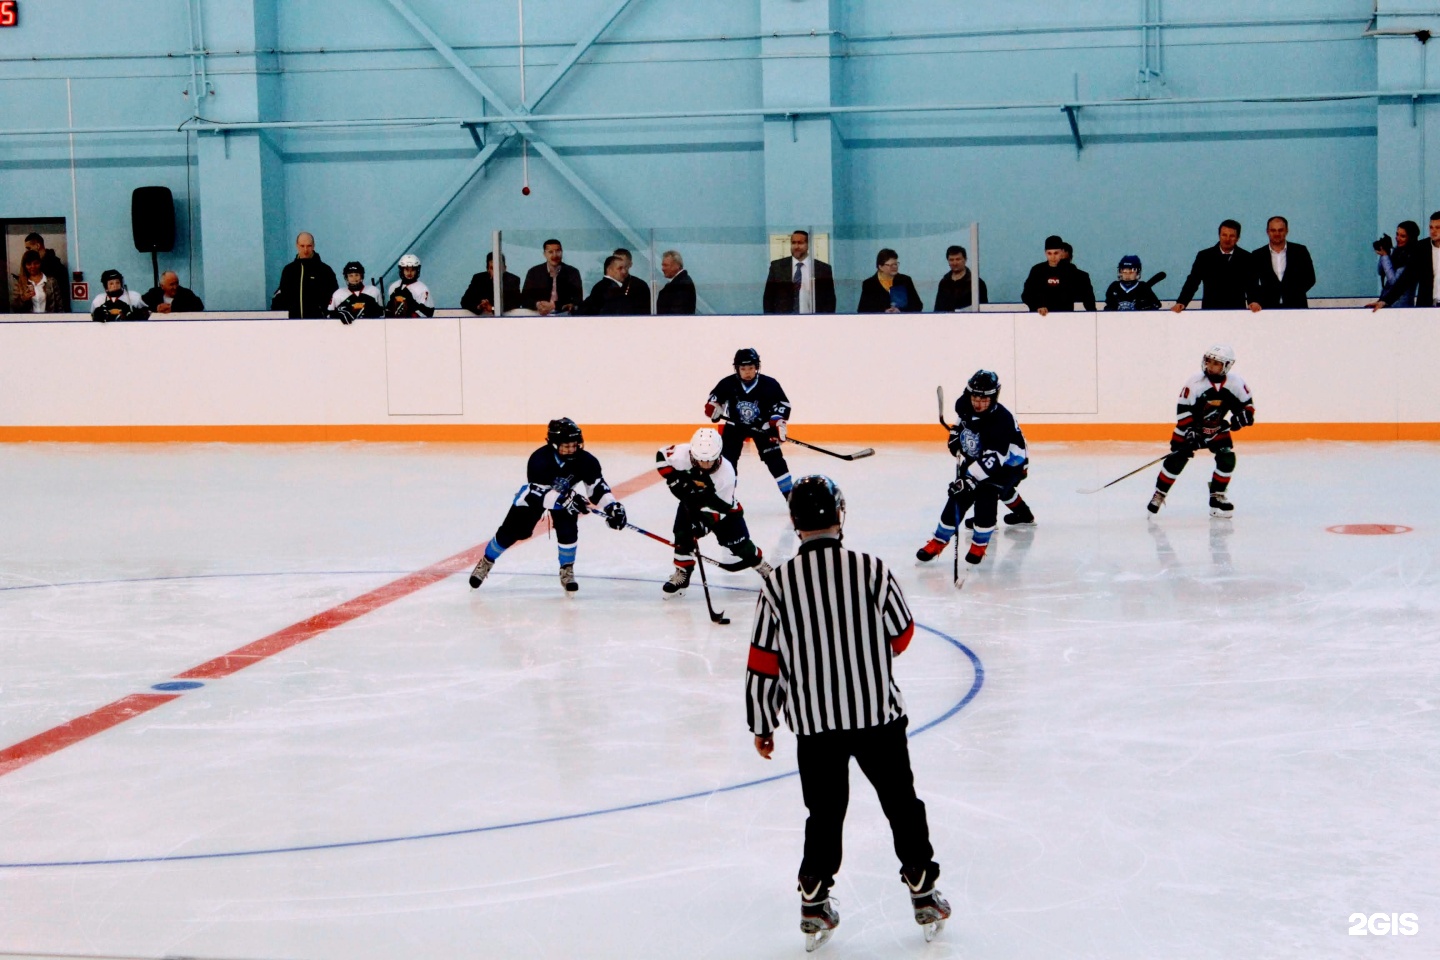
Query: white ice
1195, 738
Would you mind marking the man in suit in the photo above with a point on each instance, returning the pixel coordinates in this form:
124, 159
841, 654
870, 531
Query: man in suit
1283, 271
636, 289
170, 297
1224, 269
677, 297
615, 295
553, 286
1422, 268
479, 297
799, 283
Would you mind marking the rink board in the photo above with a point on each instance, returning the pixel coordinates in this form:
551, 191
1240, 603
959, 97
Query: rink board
1346, 374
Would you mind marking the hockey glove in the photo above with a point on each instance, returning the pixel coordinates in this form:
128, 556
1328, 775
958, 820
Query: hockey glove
1243, 417
615, 515
780, 428
573, 502
402, 303
961, 485
716, 411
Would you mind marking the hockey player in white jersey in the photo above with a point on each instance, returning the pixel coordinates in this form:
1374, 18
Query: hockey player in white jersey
357, 298
408, 297
1212, 405
704, 482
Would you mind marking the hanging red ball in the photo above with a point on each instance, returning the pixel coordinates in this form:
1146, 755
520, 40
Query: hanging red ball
525, 191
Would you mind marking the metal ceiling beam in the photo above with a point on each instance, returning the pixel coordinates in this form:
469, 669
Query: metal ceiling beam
576, 52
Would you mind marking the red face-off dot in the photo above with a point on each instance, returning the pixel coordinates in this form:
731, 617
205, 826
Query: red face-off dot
1369, 529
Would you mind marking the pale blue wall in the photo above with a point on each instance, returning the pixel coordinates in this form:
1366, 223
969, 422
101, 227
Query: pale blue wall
1153, 180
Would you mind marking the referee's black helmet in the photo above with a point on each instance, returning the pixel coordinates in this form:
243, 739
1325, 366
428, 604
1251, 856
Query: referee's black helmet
816, 503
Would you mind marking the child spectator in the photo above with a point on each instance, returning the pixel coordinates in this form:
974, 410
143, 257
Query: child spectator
1130, 292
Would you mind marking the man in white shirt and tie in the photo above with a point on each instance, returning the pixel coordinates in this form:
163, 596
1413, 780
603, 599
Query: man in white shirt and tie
799, 283
1283, 272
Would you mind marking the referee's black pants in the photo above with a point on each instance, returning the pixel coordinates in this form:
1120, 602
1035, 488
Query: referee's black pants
884, 757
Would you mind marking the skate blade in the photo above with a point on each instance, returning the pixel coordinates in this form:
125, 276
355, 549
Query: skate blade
672, 596
1222, 514
815, 939
932, 930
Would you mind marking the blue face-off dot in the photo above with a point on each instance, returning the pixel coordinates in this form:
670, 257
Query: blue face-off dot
170, 686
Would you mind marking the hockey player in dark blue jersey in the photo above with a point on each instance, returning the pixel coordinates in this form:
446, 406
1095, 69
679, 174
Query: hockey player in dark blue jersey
992, 460
756, 408
1129, 292
555, 475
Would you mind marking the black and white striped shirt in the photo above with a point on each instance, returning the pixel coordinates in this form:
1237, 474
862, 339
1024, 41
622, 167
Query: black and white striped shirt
827, 625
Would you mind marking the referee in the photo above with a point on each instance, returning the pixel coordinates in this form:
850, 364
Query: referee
827, 626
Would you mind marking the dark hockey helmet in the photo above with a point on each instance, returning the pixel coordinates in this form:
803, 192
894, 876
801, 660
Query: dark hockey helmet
564, 430
354, 266
816, 503
109, 275
1131, 261
747, 355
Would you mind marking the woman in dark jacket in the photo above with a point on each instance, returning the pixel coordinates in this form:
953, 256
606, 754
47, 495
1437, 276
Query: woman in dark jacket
889, 291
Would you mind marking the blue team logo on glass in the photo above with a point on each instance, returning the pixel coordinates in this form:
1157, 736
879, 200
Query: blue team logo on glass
970, 444
748, 410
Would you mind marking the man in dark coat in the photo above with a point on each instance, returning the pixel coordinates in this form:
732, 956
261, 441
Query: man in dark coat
306, 284
479, 297
1056, 284
678, 296
170, 297
1224, 270
553, 286
1283, 271
614, 295
799, 283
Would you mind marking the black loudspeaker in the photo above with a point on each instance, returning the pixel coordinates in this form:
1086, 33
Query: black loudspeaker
152, 219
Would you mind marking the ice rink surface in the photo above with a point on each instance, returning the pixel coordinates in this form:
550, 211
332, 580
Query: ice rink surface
1179, 738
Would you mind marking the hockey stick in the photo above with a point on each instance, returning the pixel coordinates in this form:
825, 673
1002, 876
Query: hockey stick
735, 567
705, 585
1126, 476
857, 455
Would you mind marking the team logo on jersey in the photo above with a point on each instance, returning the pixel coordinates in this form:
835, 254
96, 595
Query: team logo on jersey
970, 444
748, 410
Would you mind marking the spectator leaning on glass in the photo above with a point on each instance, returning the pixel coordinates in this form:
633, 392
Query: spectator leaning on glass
889, 290
677, 297
50, 264
1421, 273
117, 303
1281, 272
1223, 269
170, 297
306, 284
553, 286
799, 283
953, 293
479, 297
34, 292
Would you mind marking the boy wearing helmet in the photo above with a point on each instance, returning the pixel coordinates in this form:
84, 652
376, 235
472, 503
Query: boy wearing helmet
408, 297
555, 475
117, 302
755, 406
992, 460
1201, 424
357, 298
1130, 292
700, 477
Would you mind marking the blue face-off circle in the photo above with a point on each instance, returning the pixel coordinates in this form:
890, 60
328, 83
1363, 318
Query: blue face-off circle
179, 685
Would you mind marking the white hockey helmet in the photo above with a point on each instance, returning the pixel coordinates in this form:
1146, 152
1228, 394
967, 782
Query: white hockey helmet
410, 260
1222, 353
706, 445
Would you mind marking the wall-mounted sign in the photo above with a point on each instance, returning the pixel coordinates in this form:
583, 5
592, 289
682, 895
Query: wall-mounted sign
9, 13
80, 290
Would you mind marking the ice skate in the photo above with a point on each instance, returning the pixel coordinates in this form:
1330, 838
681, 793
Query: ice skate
481, 571
931, 909
679, 580
567, 578
818, 921
931, 550
1220, 507
1156, 502
1020, 515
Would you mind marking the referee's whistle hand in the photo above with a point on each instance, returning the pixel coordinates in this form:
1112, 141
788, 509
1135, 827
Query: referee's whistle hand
765, 746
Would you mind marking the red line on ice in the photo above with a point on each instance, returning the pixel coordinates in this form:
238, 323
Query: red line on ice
126, 708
